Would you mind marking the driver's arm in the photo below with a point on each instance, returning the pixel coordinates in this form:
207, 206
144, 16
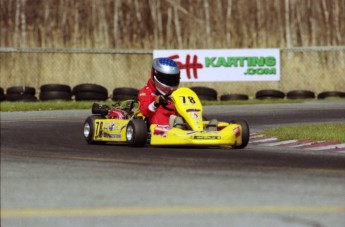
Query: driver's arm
146, 100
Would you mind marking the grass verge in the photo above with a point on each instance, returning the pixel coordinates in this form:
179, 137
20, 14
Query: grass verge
73, 105
47, 105
320, 132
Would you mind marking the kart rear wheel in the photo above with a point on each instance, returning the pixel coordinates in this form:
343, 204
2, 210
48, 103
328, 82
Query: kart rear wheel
89, 129
136, 133
244, 133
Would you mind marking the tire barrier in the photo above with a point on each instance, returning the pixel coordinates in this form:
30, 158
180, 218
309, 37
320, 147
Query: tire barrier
23, 94
2, 95
55, 92
205, 93
227, 97
269, 94
89, 92
125, 93
95, 92
331, 94
300, 94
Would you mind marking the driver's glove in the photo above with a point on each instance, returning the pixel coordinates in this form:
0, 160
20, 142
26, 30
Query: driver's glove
160, 100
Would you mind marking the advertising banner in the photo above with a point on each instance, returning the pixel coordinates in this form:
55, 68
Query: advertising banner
225, 64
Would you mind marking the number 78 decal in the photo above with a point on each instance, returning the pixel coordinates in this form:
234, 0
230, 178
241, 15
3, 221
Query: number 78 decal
190, 99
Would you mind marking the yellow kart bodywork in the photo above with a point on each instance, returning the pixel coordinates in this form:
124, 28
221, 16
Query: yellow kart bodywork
228, 135
110, 130
135, 130
189, 107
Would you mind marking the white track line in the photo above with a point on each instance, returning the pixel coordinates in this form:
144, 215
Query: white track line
264, 140
328, 147
280, 143
305, 144
256, 136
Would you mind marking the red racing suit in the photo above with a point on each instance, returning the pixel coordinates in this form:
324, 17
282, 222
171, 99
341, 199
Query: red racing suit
156, 115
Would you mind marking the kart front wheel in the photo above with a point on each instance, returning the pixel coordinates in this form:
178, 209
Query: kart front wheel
89, 129
136, 133
244, 133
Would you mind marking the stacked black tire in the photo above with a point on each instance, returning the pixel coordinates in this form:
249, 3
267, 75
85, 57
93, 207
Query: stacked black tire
205, 93
21, 93
269, 94
88, 92
331, 94
2, 95
227, 97
55, 92
300, 94
125, 93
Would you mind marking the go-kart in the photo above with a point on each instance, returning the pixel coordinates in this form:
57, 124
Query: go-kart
124, 123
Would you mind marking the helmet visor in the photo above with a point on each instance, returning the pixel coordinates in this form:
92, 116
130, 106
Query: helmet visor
171, 80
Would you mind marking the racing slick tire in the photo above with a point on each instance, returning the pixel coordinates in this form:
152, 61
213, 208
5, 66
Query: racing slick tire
245, 133
136, 133
89, 129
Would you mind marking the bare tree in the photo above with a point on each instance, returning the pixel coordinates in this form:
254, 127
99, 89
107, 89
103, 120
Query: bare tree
168, 27
139, 21
103, 25
336, 22
207, 23
228, 22
287, 24
16, 23
23, 24
117, 31
177, 26
159, 24
173, 23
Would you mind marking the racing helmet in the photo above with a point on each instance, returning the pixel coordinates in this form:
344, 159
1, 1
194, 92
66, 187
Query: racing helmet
165, 75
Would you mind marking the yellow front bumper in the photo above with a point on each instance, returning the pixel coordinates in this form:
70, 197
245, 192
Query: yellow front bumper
229, 135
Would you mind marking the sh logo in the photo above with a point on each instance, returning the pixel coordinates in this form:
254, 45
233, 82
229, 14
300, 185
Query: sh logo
188, 65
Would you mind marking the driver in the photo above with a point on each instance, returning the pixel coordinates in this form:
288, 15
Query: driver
154, 98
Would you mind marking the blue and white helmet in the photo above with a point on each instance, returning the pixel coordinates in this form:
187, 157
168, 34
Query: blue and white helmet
165, 75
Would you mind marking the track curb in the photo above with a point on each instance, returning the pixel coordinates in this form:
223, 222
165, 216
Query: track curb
309, 145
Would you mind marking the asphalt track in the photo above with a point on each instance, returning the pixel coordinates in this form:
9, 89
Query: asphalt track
51, 177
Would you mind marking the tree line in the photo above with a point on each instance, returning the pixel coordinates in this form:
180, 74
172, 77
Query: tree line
171, 24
